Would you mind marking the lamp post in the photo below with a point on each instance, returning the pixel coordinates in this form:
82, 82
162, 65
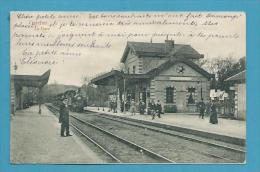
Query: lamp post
98, 94
200, 84
99, 101
103, 99
147, 91
124, 95
201, 90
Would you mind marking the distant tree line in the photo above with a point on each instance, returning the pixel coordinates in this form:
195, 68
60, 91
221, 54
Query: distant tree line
95, 94
223, 68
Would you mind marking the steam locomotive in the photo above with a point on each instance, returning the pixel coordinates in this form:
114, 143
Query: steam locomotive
76, 100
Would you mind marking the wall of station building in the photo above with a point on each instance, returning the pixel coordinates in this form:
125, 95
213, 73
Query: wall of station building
181, 94
180, 84
240, 101
131, 61
142, 64
149, 63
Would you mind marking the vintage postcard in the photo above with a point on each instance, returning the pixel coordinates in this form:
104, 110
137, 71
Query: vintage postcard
128, 87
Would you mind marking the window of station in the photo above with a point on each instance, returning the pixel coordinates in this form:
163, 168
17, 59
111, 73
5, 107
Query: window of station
191, 95
169, 95
133, 69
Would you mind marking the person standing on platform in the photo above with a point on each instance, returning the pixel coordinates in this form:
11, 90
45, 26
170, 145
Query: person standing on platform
64, 118
110, 106
132, 107
122, 106
127, 106
202, 108
142, 107
158, 109
114, 107
149, 108
153, 109
213, 117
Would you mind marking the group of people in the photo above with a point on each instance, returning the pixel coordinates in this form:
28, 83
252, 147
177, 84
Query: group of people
154, 109
113, 106
211, 110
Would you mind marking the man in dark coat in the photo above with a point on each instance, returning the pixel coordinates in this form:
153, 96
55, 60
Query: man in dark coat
202, 108
141, 107
64, 118
159, 108
153, 109
149, 109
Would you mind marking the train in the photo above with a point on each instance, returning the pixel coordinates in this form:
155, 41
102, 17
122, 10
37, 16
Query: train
76, 101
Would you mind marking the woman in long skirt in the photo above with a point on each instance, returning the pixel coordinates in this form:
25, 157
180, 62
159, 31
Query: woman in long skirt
213, 117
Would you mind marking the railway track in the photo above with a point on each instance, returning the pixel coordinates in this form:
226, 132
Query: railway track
120, 150
227, 146
171, 144
175, 147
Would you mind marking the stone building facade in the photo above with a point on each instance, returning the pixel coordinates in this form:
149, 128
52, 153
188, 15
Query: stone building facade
167, 72
189, 87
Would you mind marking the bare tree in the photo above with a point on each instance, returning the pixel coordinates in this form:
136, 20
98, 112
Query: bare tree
223, 68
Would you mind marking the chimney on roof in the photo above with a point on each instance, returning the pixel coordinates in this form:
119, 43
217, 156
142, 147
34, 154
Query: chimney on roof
169, 44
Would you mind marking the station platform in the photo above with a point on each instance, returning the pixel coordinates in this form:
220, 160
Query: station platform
35, 138
226, 127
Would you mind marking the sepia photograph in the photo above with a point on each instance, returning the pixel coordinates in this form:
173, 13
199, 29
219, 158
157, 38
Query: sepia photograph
127, 87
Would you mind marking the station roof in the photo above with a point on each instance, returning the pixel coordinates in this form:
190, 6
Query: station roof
160, 50
110, 77
106, 78
241, 76
31, 80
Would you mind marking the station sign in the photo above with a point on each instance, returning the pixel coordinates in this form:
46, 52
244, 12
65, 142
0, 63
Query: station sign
181, 78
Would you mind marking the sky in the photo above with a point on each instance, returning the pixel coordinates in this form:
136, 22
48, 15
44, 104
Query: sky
89, 61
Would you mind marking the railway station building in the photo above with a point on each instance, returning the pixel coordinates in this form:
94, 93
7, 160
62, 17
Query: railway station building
22, 86
166, 71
